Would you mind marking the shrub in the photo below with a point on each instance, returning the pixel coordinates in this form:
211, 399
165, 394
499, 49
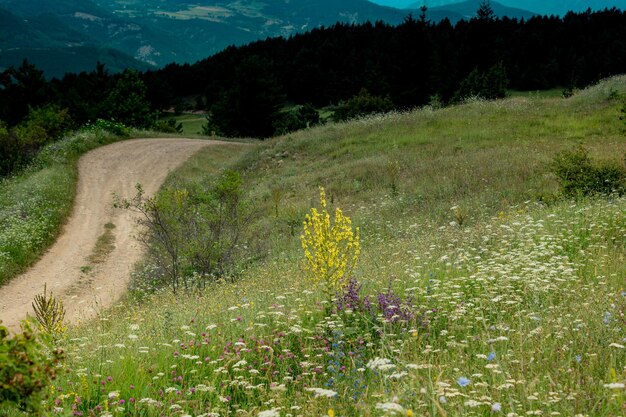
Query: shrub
168, 126
193, 230
332, 249
19, 145
109, 126
301, 117
11, 156
28, 365
362, 104
578, 175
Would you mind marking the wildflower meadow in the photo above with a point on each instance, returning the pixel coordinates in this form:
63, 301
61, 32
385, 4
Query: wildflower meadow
459, 282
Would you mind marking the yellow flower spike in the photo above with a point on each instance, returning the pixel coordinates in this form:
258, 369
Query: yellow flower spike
331, 413
409, 413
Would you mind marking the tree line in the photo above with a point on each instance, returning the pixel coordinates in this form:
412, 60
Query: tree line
247, 89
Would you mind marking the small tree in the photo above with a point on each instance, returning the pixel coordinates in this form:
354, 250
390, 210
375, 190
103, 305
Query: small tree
331, 249
127, 103
489, 85
485, 11
192, 229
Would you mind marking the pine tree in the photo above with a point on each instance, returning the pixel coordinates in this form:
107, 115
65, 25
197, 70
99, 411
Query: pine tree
485, 11
423, 11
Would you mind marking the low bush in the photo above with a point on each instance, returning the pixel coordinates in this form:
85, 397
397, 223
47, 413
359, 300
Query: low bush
362, 104
28, 364
578, 175
194, 229
168, 126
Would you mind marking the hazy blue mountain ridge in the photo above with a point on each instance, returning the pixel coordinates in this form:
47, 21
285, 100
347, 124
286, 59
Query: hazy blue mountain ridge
541, 7
467, 10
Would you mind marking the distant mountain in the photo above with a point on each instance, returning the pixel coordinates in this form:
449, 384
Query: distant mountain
49, 43
467, 9
144, 33
541, 7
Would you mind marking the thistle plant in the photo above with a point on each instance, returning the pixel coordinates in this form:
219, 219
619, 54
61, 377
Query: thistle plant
331, 249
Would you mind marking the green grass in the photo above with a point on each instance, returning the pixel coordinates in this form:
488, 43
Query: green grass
516, 302
192, 123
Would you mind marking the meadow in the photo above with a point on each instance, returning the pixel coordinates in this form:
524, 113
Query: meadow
479, 290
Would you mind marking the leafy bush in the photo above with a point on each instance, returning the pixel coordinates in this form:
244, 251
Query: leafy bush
362, 104
578, 175
108, 126
43, 125
28, 364
301, 117
168, 126
11, 156
193, 230
19, 145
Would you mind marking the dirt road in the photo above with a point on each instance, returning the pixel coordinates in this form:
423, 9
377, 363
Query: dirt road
68, 268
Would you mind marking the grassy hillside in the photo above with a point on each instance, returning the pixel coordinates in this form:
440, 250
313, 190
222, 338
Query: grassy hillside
488, 295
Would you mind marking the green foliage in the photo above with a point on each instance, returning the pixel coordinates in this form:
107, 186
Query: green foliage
107, 126
298, 118
11, 156
248, 106
28, 365
20, 144
193, 229
50, 313
362, 104
43, 125
485, 11
127, 103
489, 85
168, 126
579, 175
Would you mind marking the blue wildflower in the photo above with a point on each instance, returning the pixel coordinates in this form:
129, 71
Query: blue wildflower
463, 382
491, 356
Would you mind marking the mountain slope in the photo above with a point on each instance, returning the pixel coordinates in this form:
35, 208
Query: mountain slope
173, 31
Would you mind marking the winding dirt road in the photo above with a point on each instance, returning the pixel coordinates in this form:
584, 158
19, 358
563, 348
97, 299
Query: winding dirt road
68, 268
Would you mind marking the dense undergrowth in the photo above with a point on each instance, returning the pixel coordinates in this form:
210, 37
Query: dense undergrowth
479, 291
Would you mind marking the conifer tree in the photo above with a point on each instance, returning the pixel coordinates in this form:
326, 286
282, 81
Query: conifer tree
485, 11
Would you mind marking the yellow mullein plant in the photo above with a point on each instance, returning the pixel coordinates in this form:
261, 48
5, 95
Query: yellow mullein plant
331, 250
